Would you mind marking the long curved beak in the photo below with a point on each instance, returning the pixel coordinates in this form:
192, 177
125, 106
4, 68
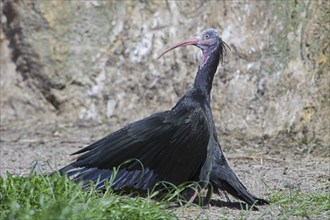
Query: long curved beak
192, 41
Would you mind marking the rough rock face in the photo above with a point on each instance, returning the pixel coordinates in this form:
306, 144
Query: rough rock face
72, 60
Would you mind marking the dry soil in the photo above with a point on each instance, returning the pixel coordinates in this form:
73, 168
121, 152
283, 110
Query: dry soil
263, 169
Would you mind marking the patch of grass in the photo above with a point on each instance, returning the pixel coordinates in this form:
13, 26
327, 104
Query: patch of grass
56, 197
301, 204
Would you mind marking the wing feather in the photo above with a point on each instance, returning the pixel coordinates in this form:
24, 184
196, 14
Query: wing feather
171, 146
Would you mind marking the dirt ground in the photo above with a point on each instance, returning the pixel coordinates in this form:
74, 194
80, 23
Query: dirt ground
263, 169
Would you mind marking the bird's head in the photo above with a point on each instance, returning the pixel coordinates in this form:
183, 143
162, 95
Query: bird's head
207, 41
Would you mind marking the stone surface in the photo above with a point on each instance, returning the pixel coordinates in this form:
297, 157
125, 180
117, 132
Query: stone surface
97, 60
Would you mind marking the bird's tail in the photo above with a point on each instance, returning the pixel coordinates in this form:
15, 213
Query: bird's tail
224, 179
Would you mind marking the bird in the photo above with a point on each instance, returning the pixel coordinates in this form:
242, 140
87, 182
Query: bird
174, 146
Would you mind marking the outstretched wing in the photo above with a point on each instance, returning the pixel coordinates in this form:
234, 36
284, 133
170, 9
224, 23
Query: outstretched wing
171, 146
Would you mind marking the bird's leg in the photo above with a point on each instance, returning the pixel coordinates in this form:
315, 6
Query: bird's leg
209, 193
193, 197
190, 194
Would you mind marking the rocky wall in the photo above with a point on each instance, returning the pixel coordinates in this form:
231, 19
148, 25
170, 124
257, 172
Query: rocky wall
97, 60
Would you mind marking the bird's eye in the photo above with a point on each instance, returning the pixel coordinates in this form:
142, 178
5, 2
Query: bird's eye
206, 36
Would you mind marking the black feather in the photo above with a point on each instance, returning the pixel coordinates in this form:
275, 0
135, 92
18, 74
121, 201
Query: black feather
223, 178
152, 144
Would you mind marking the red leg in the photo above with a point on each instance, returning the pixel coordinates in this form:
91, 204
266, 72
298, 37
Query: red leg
193, 197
